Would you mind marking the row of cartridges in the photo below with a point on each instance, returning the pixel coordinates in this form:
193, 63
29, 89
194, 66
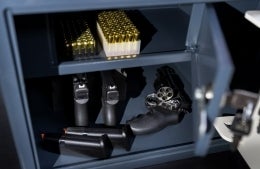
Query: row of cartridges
117, 27
117, 34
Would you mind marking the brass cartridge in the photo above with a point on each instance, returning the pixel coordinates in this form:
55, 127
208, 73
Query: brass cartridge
117, 27
78, 38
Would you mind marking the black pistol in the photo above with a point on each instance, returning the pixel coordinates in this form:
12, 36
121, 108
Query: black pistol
81, 97
120, 136
100, 146
110, 97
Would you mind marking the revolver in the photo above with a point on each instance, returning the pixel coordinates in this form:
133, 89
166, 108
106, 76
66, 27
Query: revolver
81, 97
110, 97
167, 105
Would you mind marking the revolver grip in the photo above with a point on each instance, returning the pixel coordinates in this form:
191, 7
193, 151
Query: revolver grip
154, 121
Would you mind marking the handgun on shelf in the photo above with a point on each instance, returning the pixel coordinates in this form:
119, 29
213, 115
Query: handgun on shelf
170, 91
81, 97
167, 105
121, 135
110, 97
96, 146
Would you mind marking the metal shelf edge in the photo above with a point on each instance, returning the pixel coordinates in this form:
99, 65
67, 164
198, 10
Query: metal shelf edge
72, 67
43, 6
150, 157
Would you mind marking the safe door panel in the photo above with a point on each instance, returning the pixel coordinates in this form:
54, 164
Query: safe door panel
212, 71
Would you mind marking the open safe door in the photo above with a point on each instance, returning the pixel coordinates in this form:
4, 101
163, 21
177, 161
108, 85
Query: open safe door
212, 70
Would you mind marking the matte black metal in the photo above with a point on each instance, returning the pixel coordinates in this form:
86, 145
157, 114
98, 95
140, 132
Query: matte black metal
110, 97
166, 76
121, 136
81, 98
81, 116
154, 121
100, 146
163, 112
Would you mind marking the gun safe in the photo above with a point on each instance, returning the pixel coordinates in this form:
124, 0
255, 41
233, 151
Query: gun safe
36, 77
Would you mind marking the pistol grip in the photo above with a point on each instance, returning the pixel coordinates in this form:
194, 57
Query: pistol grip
81, 114
109, 115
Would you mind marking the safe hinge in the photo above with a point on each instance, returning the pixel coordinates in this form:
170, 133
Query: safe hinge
192, 48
